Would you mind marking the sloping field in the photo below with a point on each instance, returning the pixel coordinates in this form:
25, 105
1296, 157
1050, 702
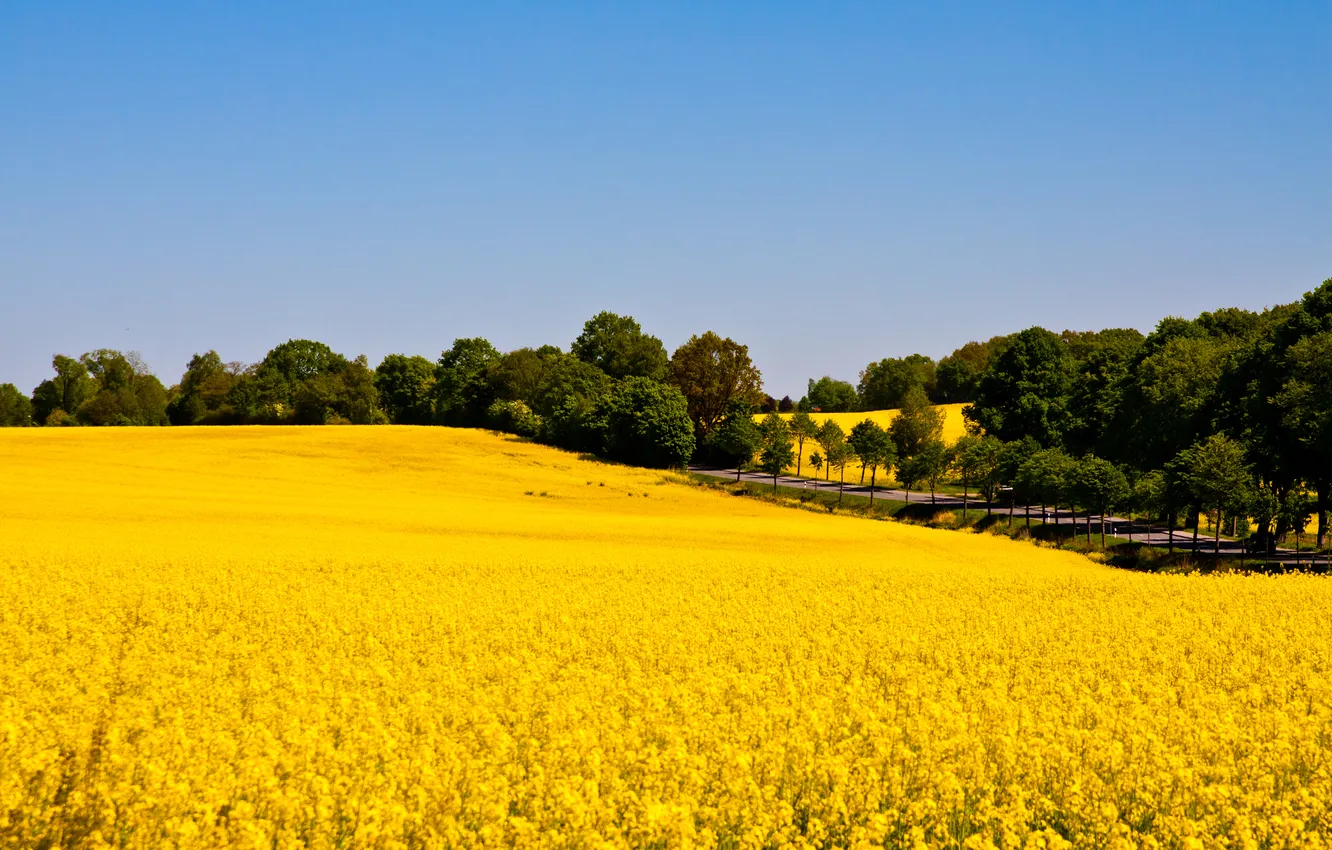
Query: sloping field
954, 426
401, 637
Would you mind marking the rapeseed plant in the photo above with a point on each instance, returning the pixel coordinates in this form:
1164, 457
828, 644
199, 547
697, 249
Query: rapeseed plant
369, 637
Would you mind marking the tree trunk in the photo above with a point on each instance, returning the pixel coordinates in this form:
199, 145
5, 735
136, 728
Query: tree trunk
1028, 517
1322, 513
800, 454
964, 498
931, 491
862, 475
1130, 526
1171, 516
841, 486
1089, 528
1216, 545
738, 464
1103, 530
873, 474
774, 484
1197, 521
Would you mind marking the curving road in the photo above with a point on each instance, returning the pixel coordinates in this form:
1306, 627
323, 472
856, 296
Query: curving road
1114, 526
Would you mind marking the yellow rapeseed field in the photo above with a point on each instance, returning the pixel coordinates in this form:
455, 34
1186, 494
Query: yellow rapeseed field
417, 637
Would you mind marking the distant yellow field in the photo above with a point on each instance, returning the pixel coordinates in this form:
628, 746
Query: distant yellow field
425, 637
954, 427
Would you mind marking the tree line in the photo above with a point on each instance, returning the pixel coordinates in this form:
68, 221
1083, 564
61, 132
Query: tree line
1227, 415
615, 392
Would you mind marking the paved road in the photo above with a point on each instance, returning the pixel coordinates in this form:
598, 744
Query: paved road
1115, 526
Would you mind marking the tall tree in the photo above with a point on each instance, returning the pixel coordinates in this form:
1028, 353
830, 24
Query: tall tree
1025, 391
830, 438
777, 447
874, 447
1218, 475
802, 428
406, 388
462, 393
646, 423
713, 372
66, 392
1101, 487
737, 437
916, 424
15, 407
829, 395
958, 375
617, 345
884, 385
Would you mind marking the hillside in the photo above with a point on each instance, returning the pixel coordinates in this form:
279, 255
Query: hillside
394, 636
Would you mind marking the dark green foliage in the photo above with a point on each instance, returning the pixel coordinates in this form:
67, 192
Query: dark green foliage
874, 446
646, 423
736, 439
543, 378
514, 417
202, 397
1025, 392
713, 373
829, 395
406, 387
1099, 486
886, 384
958, 375
15, 407
617, 346
462, 390
917, 423
66, 392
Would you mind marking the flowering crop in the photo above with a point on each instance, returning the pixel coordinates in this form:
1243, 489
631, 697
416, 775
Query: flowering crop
400, 637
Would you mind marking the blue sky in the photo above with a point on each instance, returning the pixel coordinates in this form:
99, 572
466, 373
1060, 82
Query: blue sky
829, 183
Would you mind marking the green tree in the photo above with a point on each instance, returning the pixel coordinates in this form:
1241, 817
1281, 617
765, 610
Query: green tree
1045, 477
1025, 390
885, 384
713, 373
617, 345
15, 407
1101, 487
916, 424
933, 461
829, 395
839, 455
803, 428
1218, 476
829, 437
874, 447
737, 437
66, 392
976, 461
202, 396
646, 423
958, 375
1011, 457
406, 386
777, 447
462, 392
1148, 497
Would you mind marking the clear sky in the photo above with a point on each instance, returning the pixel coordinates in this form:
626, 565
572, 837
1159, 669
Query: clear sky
829, 183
